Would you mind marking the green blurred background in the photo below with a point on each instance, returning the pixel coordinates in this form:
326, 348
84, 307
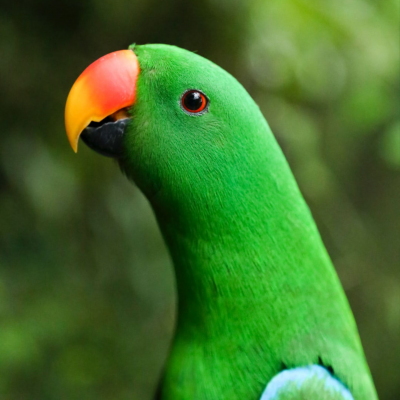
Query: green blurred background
86, 286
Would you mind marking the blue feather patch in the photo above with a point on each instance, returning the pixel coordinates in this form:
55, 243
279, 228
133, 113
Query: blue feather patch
312, 379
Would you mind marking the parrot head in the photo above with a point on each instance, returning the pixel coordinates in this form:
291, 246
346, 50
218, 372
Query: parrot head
171, 118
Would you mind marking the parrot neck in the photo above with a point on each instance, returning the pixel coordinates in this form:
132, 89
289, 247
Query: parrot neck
252, 274
241, 242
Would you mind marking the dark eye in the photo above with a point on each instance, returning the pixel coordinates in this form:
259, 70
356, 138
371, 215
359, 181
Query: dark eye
194, 102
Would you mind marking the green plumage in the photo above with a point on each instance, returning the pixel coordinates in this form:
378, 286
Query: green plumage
256, 289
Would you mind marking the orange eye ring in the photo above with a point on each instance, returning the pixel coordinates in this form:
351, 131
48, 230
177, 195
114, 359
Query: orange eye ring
194, 102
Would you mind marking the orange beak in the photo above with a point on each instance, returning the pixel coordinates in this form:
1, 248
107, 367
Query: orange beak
105, 87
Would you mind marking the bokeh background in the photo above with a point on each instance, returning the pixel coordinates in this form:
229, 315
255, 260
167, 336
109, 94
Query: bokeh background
86, 285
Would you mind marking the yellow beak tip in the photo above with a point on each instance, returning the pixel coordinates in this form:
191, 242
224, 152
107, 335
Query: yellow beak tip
74, 144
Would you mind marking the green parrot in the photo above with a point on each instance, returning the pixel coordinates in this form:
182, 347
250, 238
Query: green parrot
261, 312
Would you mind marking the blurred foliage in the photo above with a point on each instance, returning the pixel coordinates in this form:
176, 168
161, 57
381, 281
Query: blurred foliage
86, 286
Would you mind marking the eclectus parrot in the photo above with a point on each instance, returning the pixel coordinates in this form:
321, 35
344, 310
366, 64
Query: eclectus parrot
261, 312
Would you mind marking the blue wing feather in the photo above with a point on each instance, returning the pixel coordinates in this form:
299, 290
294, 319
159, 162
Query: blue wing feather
312, 382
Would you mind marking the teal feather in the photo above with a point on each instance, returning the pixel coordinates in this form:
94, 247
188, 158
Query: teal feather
308, 383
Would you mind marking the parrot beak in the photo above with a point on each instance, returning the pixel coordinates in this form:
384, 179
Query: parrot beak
103, 91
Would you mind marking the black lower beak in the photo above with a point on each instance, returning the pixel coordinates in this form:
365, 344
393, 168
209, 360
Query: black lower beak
106, 139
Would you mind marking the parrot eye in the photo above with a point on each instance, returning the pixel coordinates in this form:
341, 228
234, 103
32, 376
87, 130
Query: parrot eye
194, 102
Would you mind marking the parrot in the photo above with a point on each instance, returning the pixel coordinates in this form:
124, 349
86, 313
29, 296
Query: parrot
261, 313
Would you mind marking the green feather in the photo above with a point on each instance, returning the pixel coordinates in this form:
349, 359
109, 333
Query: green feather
256, 287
